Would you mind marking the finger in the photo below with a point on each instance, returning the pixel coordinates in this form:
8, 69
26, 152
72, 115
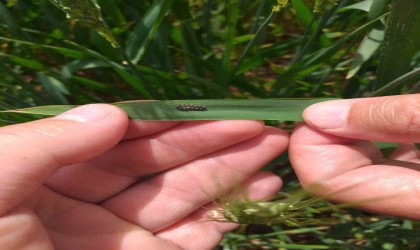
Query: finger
317, 156
32, 151
406, 152
356, 172
261, 186
391, 118
21, 229
170, 196
176, 146
73, 224
121, 166
137, 129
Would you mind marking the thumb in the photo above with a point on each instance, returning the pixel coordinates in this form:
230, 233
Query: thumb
32, 151
390, 118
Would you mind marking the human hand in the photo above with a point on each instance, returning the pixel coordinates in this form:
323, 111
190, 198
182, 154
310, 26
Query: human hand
76, 181
335, 147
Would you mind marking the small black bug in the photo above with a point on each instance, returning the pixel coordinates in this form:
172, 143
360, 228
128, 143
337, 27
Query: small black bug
191, 107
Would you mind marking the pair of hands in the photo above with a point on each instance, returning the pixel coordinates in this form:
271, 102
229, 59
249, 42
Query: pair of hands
77, 181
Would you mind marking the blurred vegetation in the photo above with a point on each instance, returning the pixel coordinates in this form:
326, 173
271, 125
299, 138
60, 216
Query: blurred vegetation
203, 49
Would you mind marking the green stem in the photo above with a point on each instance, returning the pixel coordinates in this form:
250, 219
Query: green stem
412, 75
253, 41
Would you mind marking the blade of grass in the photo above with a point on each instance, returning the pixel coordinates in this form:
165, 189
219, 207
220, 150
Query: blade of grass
274, 51
112, 11
29, 63
415, 89
363, 5
133, 79
411, 76
314, 36
226, 109
61, 50
367, 48
145, 30
254, 40
56, 89
189, 41
313, 61
261, 12
223, 73
377, 8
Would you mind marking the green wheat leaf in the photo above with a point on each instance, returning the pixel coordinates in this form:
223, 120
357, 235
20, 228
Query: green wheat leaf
226, 109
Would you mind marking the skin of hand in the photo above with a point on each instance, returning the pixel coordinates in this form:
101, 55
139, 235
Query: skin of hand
91, 179
334, 148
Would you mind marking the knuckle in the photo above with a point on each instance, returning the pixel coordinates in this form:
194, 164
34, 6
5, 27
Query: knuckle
406, 113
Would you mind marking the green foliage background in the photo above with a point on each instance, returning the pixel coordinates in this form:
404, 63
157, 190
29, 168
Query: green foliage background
203, 49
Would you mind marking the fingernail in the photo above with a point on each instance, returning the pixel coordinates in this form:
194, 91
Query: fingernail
327, 115
86, 113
